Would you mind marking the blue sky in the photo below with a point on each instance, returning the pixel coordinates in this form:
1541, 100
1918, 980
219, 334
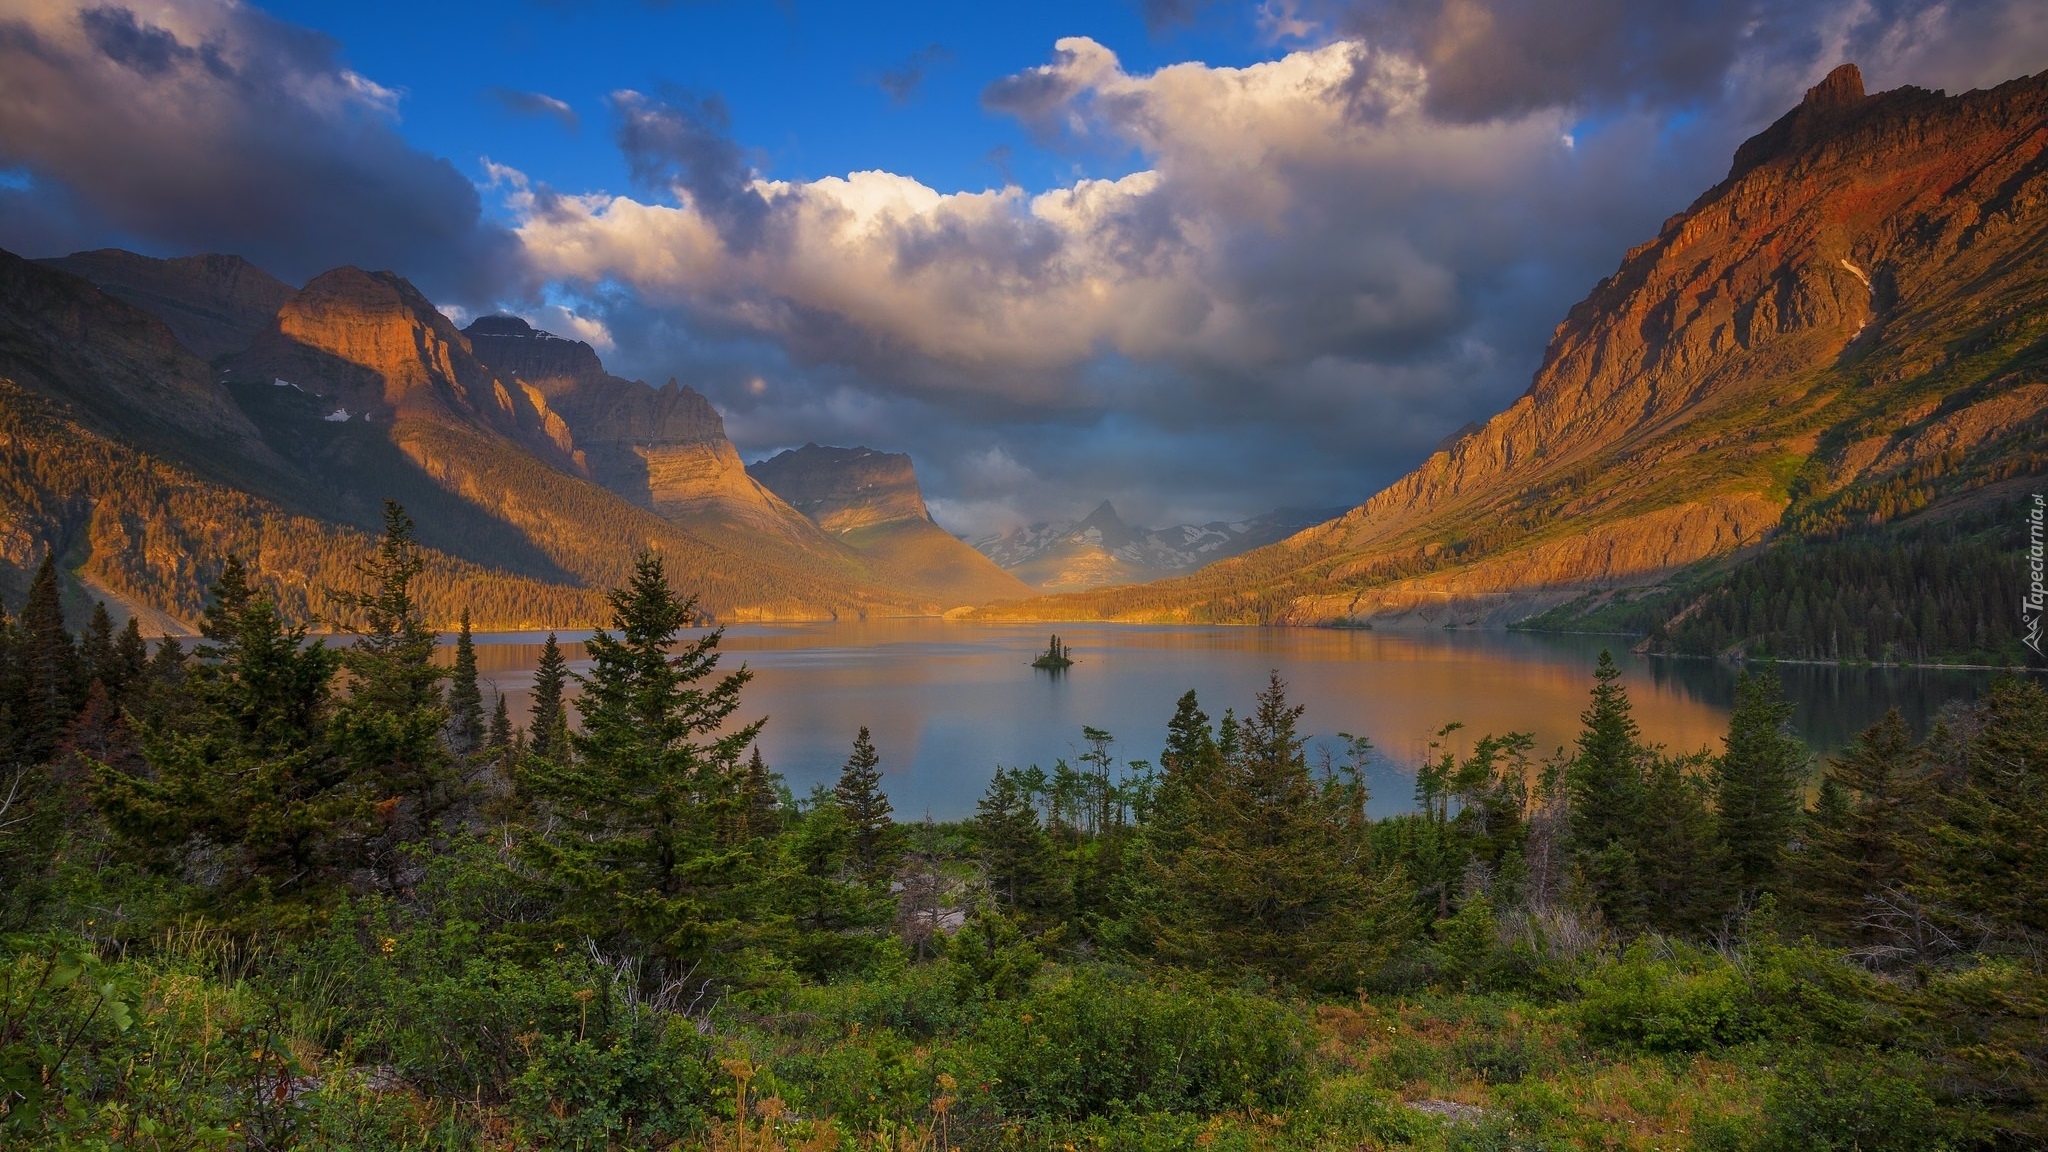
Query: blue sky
1204, 258
805, 82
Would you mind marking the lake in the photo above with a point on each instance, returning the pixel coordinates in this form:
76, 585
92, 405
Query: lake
947, 702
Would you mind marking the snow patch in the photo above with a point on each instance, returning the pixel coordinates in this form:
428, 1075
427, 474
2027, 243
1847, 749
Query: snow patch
1856, 272
338, 416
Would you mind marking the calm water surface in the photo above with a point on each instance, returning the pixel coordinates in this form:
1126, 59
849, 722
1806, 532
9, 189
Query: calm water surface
947, 702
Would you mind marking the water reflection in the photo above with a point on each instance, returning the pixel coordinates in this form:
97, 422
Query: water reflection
947, 702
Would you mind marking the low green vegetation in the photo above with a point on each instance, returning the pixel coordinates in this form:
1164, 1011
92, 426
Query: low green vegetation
270, 894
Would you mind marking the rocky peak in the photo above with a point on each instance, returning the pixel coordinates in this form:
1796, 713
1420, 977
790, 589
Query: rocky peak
842, 489
1104, 527
214, 303
1841, 87
549, 362
379, 349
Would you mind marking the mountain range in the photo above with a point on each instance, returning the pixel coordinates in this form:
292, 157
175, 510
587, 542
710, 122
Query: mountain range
159, 415
1849, 333
1844, 341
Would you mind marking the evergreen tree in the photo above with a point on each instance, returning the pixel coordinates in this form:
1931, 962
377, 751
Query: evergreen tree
1757, 783
498, 740
1279, 877
636, 861
465, 697
877, 847
1018, 861
49, 676
1860, 841
388, 730
96, 648
131, 661
1681, 863
242, 779
548, 729
764, 799
1605, 785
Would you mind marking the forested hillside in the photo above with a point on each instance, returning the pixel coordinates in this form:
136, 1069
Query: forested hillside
263, 893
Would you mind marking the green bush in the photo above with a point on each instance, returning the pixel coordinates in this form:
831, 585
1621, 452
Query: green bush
1095, 1041
1860, 1101
1687, 1001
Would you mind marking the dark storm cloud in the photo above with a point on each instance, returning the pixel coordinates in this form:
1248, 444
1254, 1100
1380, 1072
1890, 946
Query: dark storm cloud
536, 104
215, 128
680, 140
1493, 58
901, 81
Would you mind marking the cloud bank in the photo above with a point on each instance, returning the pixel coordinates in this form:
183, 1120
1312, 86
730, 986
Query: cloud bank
213, 127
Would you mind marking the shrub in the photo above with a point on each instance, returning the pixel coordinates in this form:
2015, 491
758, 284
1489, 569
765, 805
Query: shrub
1095, 1042
1688, 1001
1859, 1101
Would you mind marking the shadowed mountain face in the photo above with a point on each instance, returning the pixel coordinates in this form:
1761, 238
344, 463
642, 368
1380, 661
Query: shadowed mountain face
663, 449
143, 467
871, 501
841, 489
1860, 308
214, 304
1100, 550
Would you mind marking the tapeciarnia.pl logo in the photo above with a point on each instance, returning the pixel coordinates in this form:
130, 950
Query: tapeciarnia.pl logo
2037, 595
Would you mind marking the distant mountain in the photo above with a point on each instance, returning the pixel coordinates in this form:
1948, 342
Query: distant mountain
1848, 332
214, 304
1100, 550
871, 501
142, 465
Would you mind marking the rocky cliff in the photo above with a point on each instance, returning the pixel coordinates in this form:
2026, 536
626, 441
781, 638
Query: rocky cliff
1869, 281
663, 448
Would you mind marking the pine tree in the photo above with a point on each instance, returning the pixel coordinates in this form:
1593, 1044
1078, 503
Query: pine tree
764, 800
242, 772
96, 648
1858, 844
637, 860
548, 730
388, 730
498, 740
465, 697
1605, 785
1279, 877
877, 846
50, 680
1757, 783
1682, 864
131, 661
1018, 861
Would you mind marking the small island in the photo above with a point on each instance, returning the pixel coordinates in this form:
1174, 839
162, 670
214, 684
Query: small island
1054, 658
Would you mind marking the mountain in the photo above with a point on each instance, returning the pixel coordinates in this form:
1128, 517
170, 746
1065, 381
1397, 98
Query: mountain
1100, 550
142, 465
1850, 330
663, 449
871, 501
214, 304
